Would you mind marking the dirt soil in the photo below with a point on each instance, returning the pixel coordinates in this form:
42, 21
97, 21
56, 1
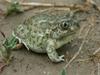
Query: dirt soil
29, 63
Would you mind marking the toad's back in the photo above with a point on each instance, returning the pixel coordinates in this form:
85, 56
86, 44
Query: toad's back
35, 32
47, 19
35, 27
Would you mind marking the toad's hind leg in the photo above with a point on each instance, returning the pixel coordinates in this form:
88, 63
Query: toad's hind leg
5, 51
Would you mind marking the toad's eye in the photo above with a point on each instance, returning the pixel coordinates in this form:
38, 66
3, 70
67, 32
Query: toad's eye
65, 25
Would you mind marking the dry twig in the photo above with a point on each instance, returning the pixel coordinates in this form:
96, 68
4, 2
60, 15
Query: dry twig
96, 51
93, 3
31, 3
83, 7
36, 4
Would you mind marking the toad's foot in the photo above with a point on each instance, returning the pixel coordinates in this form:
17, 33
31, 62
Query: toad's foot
61, 58
55, 58
51, 51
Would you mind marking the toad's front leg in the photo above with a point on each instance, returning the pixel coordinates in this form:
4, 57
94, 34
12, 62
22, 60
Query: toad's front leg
51, 51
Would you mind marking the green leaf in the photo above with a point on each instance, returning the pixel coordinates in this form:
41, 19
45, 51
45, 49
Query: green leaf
14, 7
63, 72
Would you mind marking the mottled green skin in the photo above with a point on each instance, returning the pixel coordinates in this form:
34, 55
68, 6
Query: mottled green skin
47, 31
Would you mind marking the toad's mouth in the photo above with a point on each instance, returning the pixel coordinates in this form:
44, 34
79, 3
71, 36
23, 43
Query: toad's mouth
72, 30
70, 33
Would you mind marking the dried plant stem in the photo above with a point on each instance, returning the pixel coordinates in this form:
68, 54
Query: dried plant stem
36, 4
96, 51
91, 21
81, 29
83, 60
90, 1
83, 7
93, 3
32, 3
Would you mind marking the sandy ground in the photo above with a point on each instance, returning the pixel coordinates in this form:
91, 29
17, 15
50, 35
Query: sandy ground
30, 63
